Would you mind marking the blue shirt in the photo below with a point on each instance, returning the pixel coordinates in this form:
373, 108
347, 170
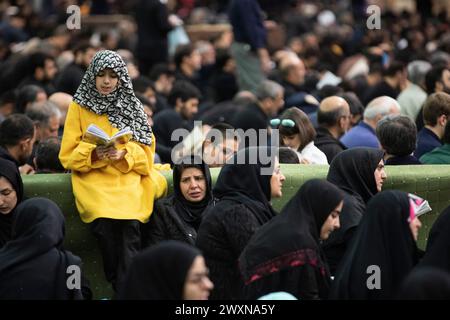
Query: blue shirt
361, 135
427, 140
247, 22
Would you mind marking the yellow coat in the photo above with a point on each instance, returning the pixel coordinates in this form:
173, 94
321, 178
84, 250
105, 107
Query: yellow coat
124, 189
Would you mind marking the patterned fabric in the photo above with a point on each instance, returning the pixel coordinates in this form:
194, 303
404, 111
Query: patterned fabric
289, 260
124, 110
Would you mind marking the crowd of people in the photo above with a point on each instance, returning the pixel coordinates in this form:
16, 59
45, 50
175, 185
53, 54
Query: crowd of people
331, 91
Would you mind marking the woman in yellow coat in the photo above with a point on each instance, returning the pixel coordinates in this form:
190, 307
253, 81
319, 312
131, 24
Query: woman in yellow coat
114, 187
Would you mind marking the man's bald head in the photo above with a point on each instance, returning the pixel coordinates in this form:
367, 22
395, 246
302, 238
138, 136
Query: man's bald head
62, 100
334, 103
334, 114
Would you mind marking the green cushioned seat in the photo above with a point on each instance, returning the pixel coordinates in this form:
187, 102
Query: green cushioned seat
432, 182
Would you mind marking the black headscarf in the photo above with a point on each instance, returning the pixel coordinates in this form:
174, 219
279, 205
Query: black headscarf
243, 182
295, 230
383, 239
353, 171
426, 283
9, 170
159, 272
36, 249
191, 212
437, 253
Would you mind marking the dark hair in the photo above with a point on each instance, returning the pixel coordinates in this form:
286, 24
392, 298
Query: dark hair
26, 95
183, 90
181, 52
8, 97
160, 69
47, 159
436, 105
222, 127
222, 57
143, 99
329, 90
433, 76
287, 155
397, 135
303, 126
82, 46
141, 84
37, 60
393, 68
356, 107
15, 128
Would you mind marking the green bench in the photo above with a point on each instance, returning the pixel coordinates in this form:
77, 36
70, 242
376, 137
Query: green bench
429, 182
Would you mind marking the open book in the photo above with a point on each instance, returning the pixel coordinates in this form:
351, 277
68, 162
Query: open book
420, 205
97, 136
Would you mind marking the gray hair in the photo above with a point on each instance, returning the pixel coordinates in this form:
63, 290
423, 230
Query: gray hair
380, 106
268, 89
41, 113
417, 70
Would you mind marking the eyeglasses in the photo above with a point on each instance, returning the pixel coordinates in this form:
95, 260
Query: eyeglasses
285, 122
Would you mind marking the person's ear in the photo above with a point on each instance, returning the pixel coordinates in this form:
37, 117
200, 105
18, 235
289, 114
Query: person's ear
178, 103
342, 123
442, 120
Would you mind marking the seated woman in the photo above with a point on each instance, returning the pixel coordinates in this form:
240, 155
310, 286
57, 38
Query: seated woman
178, 216
297, 132
33, 265
170, 270
243, 189
11, 194
383, 252
437, 253
425, 283
285, 253
359, 172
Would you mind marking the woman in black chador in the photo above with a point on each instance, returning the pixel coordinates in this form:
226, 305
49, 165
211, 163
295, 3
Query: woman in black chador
359, 172
437, 253
243, 192
285, 254
11, 194
383, 251
33, 264
178, 216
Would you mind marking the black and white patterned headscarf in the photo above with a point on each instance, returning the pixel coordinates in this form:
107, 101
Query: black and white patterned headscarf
124, 110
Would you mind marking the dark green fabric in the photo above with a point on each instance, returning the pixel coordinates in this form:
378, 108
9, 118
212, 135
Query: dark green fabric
440, 155
431, 182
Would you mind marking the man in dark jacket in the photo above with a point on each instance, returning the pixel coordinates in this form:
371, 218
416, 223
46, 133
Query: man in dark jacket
153, 25
333, 118
70, 77
17, 136
270, 99
184, 98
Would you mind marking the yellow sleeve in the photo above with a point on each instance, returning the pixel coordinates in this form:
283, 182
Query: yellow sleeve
76, 154
135, 159
162, 167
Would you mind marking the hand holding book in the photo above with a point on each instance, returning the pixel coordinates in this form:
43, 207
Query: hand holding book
97, 136
107, 147
111, 153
